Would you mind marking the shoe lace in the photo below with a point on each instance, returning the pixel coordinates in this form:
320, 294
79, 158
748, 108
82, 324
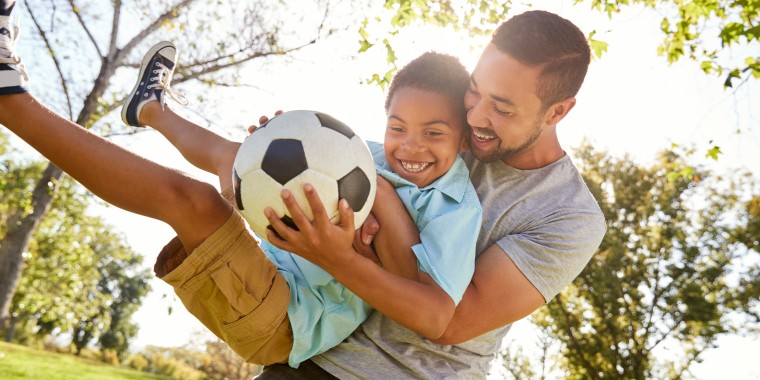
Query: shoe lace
8, 47
163, 80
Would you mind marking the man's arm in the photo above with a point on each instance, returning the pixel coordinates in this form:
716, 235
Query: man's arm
498, 295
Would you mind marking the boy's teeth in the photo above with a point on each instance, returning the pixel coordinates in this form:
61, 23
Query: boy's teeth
414, 166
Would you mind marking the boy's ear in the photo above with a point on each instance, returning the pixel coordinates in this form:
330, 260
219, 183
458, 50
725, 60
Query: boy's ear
558, 111
465, 146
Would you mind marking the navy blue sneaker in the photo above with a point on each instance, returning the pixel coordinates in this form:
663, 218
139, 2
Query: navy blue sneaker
153, 82
13, 75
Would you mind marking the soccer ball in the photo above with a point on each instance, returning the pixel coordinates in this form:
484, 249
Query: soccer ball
296, 148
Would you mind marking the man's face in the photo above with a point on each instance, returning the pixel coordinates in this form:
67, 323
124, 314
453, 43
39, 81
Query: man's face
503, 108
424, 135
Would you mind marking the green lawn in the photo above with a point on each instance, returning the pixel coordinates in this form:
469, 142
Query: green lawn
19, 362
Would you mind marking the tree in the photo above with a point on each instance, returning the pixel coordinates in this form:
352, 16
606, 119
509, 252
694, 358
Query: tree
723, 36
678, 264
124, 284
103, 37
79, 276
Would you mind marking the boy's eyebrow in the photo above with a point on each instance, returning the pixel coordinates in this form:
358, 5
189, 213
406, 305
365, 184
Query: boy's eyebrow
494, 97
431, 122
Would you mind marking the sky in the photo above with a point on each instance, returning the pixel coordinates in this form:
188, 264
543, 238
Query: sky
632, 102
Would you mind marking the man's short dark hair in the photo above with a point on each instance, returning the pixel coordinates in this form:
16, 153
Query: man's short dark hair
435, 72
546, 40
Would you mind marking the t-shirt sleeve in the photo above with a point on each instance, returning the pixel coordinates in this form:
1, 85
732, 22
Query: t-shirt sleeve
447, 249
553, 253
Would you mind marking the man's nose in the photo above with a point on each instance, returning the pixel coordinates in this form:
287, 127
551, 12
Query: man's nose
476, 115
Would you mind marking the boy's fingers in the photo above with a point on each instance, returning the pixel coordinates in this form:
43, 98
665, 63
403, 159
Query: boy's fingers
317, 208
299, 218
280, 238
346, 215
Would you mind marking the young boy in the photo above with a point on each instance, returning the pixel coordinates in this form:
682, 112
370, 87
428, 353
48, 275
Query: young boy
426, 128
246, 299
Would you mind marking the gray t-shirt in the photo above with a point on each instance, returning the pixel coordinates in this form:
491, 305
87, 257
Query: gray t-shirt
545, 220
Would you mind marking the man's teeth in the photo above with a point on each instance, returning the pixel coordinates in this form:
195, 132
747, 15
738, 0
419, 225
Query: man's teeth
482, 136
414, 167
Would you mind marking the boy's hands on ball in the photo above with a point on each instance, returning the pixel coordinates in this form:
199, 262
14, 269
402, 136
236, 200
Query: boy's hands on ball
321, 242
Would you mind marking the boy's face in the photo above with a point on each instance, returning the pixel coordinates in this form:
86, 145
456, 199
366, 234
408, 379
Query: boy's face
503, 109
425, 132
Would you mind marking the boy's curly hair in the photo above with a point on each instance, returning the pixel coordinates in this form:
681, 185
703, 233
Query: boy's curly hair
435, 72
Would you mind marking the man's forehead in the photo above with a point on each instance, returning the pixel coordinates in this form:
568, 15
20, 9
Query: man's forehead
504, 76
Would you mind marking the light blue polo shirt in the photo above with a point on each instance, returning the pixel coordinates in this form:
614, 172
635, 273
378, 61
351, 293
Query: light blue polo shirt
323, 312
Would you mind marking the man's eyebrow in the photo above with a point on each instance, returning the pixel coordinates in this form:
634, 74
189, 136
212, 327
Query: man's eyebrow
497, 98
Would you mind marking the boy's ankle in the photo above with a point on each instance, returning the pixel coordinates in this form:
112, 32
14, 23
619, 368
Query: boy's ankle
150, 112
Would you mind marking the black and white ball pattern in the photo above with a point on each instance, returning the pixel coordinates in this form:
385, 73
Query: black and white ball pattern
296, 148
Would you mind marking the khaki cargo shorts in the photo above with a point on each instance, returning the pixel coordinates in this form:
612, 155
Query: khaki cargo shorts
234, 290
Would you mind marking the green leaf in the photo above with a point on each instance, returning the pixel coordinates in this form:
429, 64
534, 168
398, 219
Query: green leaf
713, 153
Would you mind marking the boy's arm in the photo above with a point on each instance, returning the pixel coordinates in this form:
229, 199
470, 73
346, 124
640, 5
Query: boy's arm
398, 234
421, 306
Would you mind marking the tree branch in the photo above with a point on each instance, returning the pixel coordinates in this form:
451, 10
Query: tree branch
157, 23
112, 51
55, 62
75, 9
222, 66
574, 340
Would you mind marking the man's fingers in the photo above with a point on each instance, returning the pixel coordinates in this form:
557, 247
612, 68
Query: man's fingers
369, 229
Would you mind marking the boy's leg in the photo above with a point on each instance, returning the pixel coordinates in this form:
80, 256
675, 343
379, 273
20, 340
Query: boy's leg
12, 73
192, 208
145, 107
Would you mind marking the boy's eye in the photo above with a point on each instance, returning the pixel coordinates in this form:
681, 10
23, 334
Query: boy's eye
395, 128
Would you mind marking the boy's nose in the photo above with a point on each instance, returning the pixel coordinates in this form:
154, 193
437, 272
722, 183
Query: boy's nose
413, 147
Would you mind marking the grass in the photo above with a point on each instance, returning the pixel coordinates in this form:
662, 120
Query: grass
19, 362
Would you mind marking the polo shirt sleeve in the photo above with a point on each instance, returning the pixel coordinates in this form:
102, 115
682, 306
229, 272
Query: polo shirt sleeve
447, 249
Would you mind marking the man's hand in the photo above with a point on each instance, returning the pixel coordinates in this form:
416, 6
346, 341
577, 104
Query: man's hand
364, 236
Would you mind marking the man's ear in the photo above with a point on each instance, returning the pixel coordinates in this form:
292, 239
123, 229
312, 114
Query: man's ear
558, 111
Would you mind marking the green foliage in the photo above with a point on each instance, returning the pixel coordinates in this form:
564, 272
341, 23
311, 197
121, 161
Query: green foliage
679, 263
79, 275
712, 32
477, 17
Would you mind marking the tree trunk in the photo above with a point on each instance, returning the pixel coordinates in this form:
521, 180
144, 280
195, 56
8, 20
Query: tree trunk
19, 234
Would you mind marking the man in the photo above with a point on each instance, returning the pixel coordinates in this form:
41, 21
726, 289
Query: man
541, 224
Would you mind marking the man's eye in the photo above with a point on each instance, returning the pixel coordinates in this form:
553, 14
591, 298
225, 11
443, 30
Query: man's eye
502, 113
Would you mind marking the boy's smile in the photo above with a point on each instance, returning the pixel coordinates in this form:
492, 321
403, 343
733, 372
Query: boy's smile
425, 132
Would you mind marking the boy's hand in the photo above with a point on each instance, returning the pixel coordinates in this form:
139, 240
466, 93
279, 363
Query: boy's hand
263, 119
327, 245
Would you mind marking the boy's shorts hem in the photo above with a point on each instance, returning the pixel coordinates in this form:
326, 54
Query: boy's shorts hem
230, 285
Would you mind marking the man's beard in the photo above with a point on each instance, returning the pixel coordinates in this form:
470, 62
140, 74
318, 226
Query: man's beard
502, 154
